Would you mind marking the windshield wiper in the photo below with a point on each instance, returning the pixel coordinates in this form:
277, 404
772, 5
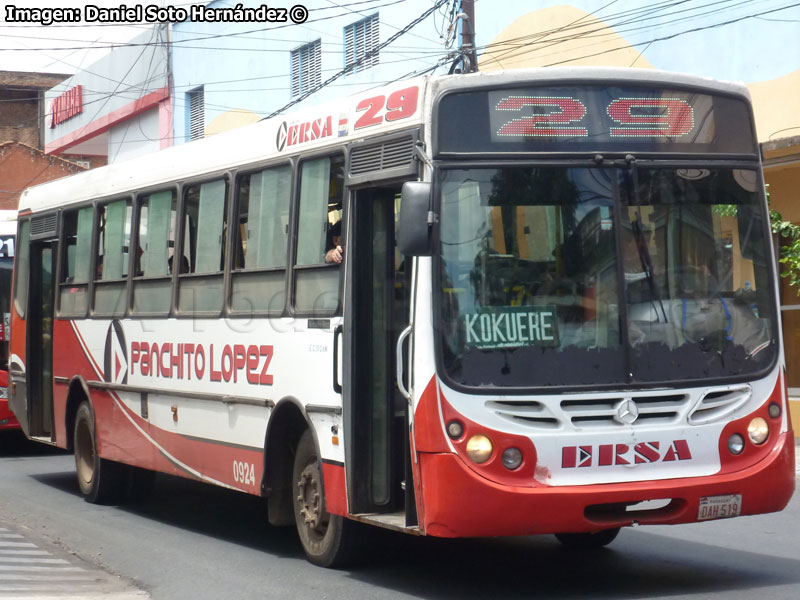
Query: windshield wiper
638, 233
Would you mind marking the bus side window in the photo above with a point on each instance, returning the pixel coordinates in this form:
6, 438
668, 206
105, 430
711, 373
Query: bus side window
76, 262
204, 232
111, 269
321, 193
22, 268
152, 291
262, 235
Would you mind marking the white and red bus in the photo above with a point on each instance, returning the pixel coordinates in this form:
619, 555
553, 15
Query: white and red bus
8, 230
556, 312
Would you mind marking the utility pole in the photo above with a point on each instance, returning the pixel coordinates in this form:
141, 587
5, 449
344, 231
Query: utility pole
468, 35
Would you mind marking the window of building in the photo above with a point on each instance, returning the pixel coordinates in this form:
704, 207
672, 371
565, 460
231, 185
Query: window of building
360, 38
197, 113
306, 68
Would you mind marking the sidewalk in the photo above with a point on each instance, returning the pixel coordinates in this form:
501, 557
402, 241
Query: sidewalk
797, 457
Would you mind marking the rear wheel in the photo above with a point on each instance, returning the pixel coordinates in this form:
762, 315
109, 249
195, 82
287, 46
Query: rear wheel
587, 541
328, 540
101, 481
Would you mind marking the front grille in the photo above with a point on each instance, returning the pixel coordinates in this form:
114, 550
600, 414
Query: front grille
528, 413
609, 411
604, 412
717, 404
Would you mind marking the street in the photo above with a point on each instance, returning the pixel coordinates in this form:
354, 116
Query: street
194, 541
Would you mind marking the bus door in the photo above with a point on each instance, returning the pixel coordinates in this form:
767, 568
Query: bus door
376, 312
39, 362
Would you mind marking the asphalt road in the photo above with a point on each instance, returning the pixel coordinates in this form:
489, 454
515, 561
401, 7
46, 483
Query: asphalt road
194, 541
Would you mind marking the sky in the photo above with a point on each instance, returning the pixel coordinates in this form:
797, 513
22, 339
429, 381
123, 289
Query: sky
64, 47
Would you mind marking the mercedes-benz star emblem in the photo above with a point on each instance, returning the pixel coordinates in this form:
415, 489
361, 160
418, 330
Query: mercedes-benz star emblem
627, 412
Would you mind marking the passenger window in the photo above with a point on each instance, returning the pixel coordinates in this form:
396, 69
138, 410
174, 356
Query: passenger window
111, 267
152, 292
202, 255
22, 268
262, 235
76, 262
321, 193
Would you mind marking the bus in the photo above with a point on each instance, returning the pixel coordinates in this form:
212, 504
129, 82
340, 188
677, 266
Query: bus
550, 308
8, 230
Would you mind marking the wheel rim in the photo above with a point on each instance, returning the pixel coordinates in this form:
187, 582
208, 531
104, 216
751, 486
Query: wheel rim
309, 502
84, 452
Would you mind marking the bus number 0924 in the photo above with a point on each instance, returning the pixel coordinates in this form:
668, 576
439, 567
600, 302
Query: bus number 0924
244, 472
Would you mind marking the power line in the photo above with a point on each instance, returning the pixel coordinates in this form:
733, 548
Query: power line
233, 34
366, 56
678, 34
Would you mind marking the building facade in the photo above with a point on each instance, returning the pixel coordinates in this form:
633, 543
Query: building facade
22, 106
229, 74
22, 166
118, 107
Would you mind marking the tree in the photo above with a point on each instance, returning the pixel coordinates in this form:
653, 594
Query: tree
790, 248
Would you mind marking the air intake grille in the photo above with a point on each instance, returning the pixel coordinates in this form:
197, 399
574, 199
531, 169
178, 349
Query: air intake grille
719, 403
392, 154
605, 412
528, 413
44, 227
614, 410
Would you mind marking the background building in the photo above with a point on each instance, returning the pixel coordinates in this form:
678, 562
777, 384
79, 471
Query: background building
22, 114
22, 107
118, 107
229, 74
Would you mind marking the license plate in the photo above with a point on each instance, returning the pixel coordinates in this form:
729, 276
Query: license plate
719, 507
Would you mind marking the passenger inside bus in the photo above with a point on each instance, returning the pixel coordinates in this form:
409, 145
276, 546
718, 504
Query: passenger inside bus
334, 251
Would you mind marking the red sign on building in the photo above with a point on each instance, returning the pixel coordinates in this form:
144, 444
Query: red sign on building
66, 106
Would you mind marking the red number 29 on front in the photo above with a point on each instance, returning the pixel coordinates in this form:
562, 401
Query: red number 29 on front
562, 117
399, 105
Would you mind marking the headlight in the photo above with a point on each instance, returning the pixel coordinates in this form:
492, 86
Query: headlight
479, 448
758, 431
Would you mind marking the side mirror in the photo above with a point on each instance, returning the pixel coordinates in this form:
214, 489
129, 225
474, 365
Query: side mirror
415, 229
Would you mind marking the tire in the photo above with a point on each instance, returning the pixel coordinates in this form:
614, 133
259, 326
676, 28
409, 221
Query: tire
101, 481
588, 541
328, 540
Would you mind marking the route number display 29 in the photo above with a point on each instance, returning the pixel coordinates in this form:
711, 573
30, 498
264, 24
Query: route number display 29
565, 116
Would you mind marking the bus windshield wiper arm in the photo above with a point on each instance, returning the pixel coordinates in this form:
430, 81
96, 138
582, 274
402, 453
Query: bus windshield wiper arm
641, 244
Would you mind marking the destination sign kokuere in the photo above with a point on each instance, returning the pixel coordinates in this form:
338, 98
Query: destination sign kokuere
511, 327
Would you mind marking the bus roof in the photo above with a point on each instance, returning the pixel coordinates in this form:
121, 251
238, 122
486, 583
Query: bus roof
316, 128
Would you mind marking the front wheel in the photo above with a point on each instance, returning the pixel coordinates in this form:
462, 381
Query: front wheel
328, 540
588, 541
101, 481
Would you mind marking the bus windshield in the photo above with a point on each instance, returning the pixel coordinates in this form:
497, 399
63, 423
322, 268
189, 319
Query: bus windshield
555, 276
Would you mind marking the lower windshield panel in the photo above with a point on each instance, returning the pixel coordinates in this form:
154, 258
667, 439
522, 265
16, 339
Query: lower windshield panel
574, 277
